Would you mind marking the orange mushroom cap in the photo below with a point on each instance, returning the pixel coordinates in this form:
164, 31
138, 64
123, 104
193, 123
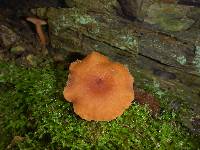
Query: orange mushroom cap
99, 89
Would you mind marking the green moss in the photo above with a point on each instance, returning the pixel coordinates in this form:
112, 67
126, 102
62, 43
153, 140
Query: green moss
33, 107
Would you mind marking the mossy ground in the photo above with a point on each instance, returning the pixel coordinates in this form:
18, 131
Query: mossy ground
32, 106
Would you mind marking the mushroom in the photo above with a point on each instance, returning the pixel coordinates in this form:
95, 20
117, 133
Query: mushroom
99, 89
38, 24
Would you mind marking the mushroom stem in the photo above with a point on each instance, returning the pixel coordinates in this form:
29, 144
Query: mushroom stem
41, 35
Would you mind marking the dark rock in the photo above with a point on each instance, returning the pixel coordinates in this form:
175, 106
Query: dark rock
168, 17
164, 74
8, 37
195, 3
130, 8
27, 4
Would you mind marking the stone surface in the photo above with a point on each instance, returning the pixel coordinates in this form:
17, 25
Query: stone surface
169, 17
78, 30
7, 36
163, 15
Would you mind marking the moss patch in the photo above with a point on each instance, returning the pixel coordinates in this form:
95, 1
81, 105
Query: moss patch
32, 106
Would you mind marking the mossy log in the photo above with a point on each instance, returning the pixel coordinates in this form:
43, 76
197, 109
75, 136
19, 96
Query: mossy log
173, 58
